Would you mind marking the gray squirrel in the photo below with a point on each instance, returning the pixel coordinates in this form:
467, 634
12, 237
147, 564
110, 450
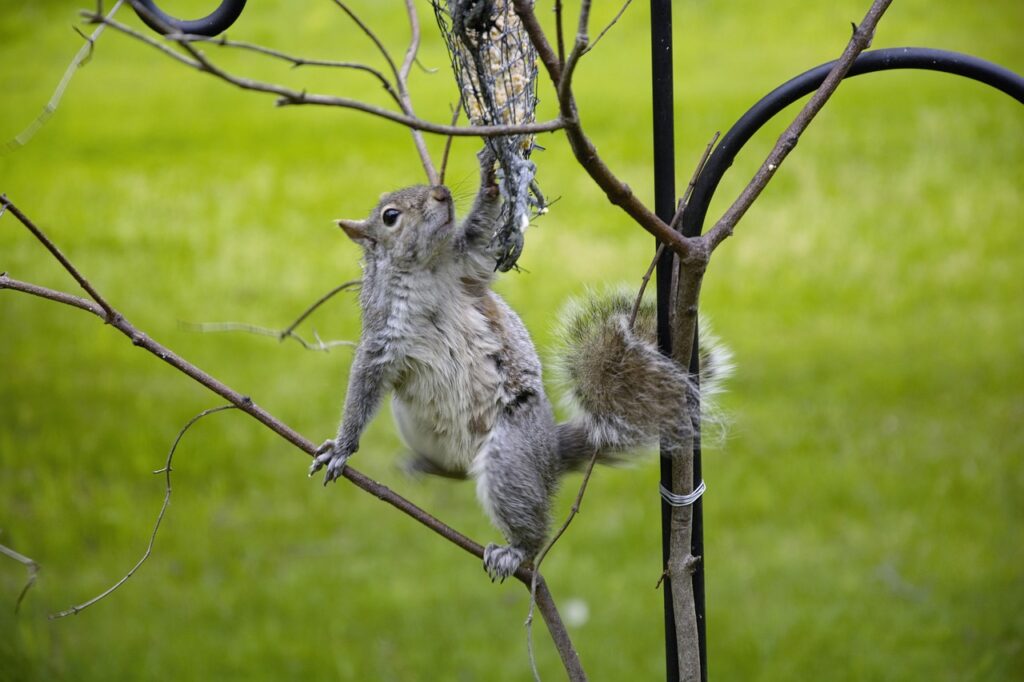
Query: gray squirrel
468, 397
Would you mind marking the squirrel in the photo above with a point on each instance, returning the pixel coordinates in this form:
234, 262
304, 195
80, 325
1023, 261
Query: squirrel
468, 398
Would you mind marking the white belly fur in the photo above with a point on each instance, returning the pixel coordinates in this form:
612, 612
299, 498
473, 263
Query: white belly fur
448, 391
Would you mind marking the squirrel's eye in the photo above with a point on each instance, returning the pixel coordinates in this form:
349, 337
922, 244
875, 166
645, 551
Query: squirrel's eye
390, 216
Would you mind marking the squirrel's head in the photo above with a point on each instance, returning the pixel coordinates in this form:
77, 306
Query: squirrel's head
412, 225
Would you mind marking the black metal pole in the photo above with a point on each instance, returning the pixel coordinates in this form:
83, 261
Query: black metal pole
665, 207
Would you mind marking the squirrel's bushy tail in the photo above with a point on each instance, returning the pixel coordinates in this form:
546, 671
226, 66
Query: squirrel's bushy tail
626, 393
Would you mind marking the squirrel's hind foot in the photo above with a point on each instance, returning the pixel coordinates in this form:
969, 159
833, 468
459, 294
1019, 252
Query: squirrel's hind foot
501, 561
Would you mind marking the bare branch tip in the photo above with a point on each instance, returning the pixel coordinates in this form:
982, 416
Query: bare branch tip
30, 565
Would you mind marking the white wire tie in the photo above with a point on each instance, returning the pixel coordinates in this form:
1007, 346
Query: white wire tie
682, 500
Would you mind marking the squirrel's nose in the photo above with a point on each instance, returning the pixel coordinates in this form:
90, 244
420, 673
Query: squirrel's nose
440, 193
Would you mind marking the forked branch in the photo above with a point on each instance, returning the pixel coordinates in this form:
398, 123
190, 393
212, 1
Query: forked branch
686, 293
289, 331
196, 59
617, 192
295, 61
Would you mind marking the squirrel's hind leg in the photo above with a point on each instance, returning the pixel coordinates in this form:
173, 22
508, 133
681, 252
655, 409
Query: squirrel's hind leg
515, 480
416, 465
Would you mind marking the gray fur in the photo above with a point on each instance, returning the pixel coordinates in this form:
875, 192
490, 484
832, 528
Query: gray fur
625, 392
466, 381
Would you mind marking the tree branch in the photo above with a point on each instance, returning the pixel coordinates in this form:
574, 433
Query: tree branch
108, 312
618, 193
287, 96
287, 332
577, 503
559, 635
860, 41
296, 62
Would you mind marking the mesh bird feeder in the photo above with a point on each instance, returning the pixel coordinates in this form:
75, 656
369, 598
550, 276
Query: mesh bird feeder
496, 68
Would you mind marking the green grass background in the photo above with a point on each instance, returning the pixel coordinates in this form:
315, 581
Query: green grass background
864, 515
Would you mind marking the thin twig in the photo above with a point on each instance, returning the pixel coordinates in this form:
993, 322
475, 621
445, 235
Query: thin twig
680, 207
607, 28
426, 69
414, 41
579, 47
96, 18
448, 142
279, 334
401, 78
67, 299
406, 99
693, 178
676, 220
52, 248
859, 41
30, 565
643, 283
372, 36
166, 471
296, 62
289, 97
319, 302
577, 503
287, 332
80, 59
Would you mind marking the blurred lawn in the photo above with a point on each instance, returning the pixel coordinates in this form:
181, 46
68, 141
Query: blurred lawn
863, 518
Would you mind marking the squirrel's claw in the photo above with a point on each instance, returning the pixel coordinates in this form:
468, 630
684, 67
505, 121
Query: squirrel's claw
322, 456
336, 466
330, 456
501, 561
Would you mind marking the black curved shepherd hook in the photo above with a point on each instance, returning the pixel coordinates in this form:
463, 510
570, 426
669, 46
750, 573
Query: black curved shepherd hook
214, 23
696, 211
781, 97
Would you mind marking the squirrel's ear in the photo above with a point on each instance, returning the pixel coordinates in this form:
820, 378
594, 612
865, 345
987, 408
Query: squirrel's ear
355, 229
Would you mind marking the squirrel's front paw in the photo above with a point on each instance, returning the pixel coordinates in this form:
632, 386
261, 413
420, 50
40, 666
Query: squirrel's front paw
501, 561
334, 456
